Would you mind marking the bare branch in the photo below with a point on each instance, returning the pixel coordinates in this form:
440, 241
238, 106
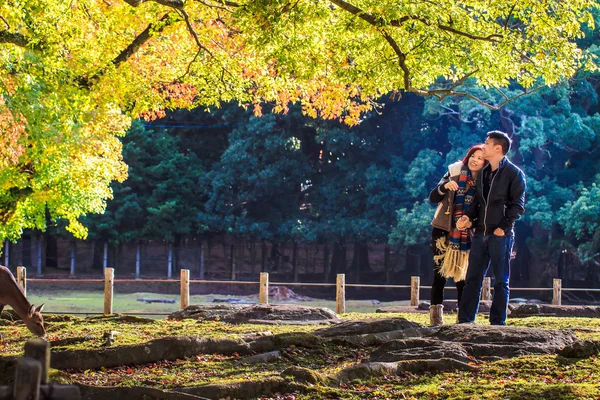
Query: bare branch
5, 21
509, 15
501, 92
220, 7
499, 105
193, 32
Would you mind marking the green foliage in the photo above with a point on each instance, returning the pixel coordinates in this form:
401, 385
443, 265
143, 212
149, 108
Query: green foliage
160, 199
414, 225
73, 75
581, 217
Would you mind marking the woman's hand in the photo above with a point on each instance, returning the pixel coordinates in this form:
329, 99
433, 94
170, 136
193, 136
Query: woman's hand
463, 223
451, 186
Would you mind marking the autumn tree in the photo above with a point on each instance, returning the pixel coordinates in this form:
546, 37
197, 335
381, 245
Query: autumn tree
74, 74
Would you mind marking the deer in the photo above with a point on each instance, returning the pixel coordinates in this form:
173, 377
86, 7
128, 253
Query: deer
11, 294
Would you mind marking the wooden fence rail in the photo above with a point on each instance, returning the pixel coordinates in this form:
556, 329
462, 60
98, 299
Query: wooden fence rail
263, 287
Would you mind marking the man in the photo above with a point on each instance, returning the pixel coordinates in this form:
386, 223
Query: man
498, 203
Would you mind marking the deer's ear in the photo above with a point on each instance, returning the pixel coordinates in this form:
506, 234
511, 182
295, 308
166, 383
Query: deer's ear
31, 310
40, 308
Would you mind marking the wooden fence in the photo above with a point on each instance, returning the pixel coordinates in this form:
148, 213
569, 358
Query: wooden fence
263, 287
31, 377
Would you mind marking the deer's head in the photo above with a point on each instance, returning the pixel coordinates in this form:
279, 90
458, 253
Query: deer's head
35, 322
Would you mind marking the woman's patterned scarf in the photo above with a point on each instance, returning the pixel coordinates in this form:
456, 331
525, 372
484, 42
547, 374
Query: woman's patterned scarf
454, 257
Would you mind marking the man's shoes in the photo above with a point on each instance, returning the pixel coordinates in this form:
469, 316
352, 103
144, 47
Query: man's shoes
436, 315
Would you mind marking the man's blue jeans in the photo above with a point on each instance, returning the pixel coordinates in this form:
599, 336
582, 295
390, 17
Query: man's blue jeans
486, 250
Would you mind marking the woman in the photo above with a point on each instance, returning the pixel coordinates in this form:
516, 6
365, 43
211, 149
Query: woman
450, 246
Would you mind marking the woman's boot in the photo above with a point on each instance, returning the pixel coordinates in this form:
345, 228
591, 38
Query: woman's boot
436, 315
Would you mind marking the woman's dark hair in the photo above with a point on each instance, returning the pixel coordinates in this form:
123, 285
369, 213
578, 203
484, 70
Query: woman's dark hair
472, 150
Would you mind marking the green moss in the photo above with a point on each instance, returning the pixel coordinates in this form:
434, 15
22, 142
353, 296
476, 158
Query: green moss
527, 377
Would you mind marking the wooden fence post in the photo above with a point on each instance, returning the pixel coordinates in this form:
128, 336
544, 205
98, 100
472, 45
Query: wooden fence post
185, 288
415, 283
340, 294
109, 275
39, 350
557, 292
486, 293
263, 294
27, 379
22, 279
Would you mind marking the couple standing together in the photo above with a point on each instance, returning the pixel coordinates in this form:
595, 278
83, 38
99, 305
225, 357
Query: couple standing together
480, 198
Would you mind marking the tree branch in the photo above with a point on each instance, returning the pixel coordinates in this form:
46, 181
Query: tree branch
220, 7
509, 15
178, 4
130, 50
16, 39
193, 32
5, 22
379, 21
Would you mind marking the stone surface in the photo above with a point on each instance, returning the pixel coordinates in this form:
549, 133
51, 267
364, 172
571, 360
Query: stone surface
263, 358
304, 375
527, 310
348, 328
552, 340
281, 314
419, 349
206, 312
581, 349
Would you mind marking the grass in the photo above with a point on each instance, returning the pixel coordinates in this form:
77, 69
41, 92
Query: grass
63, 302
520, 378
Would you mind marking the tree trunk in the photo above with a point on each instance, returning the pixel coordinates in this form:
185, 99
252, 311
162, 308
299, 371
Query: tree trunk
39, 255
295, 261
275, 256
386, 263
263, 257
202, 273
6, 251
338, 260
170, 261
138, 260
19, 252
360, 260
73, 257
326, 265
233, 266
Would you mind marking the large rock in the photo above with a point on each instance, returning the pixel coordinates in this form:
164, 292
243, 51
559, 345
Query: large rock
419, 349
373, 332
377, 325
581, 349
528, 310
282, 314
489, 340
206, 312
273, 314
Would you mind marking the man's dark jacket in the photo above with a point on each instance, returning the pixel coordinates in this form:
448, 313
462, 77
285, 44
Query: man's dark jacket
505, 202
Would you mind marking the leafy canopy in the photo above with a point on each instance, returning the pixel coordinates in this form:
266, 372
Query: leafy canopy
74, 74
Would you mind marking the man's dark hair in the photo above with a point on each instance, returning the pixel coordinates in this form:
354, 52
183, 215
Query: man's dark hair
502, 139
